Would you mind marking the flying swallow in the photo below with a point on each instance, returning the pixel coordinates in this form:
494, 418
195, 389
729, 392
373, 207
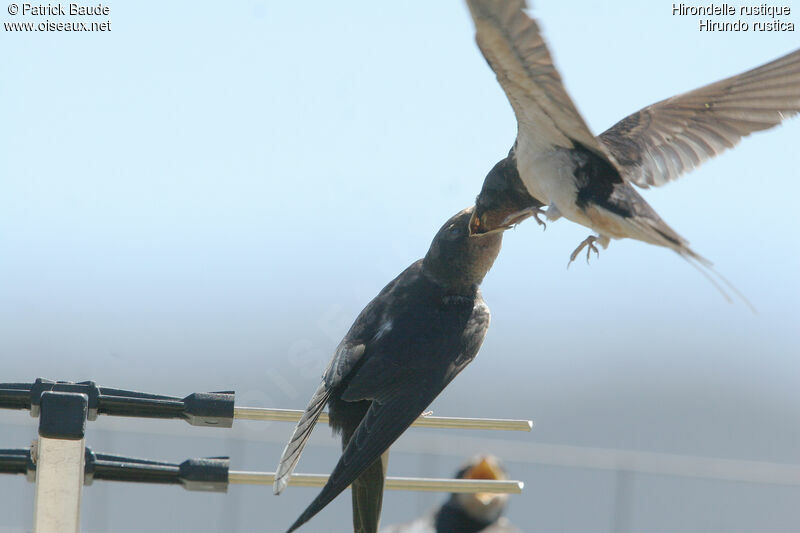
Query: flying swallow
589, 179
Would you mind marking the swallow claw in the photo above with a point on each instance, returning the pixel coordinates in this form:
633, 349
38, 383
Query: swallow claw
587, 243
536, 212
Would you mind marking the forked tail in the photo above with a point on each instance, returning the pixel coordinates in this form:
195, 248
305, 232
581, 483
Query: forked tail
706, 268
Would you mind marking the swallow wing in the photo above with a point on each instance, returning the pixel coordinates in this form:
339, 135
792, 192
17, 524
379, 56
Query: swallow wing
347, 357
513, 46
663, 141
402, 378
302, 431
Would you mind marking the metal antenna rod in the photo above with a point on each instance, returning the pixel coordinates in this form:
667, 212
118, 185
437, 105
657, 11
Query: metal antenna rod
392, 483
293, 415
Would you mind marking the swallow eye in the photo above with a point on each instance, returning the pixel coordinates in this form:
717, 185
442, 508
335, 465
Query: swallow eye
453, 230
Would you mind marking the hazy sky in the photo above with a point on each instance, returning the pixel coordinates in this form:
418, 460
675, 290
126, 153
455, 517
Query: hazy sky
204, 197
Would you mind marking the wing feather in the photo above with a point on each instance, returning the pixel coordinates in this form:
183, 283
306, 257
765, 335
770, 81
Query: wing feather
669, 138
293, 449
513, 46
346, 358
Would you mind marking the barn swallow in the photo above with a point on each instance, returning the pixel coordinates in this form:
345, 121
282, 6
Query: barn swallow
589, 179
467, 513
407, 344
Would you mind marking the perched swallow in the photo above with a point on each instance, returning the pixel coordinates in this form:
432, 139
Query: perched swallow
589, 179
467, 513
418, 333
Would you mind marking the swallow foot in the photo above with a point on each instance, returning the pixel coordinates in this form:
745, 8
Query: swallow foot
535, 213
587, 243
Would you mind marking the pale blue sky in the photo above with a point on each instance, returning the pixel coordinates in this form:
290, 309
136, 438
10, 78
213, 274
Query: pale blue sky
209, 193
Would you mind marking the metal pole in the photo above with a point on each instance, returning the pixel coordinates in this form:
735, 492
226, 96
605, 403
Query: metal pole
59, 458
392, 483
292, 415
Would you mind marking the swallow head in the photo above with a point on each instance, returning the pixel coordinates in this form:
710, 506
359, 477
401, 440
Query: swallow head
485, 507
456, 258
503, 201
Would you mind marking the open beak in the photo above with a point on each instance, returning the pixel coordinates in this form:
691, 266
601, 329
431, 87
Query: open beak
518, 216
496, 220
486, 497
487, 468
475, 225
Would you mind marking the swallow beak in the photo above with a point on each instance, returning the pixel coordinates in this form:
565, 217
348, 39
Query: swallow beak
485, 497
487, 468
496, 220
476, 224
515, 218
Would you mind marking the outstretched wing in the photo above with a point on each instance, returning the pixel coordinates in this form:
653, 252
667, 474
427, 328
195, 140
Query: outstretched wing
515, 50
662, 141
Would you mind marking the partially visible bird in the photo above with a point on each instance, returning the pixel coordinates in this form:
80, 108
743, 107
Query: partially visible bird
407, 344
467, 513
589, 179
503, 201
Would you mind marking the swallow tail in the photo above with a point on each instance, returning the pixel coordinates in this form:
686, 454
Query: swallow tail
670, 239
382, 425
367, 492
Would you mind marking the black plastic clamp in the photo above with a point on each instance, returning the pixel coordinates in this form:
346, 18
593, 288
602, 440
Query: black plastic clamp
209, 474
199, 409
